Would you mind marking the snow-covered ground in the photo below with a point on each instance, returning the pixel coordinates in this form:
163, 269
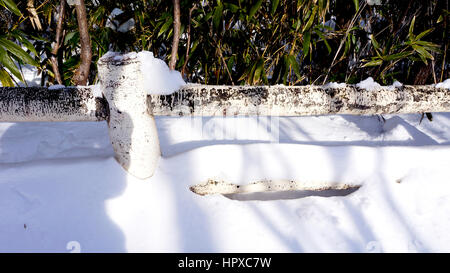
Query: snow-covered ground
61, 189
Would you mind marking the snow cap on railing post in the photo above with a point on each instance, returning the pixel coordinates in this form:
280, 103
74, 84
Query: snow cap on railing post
132, 128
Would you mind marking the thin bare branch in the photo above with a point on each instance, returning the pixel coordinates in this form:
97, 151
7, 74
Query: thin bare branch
343, 40
188, 45
58, 42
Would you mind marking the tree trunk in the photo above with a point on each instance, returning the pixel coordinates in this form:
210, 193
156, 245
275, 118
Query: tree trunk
56, 45
176, 33
82, 74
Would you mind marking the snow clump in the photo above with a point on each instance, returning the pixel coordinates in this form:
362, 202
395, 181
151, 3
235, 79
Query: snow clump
395, 85
369, 84
158, 78
334, 85
444, 84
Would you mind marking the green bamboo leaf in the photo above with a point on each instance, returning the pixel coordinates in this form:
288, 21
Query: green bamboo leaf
285, 68
194, 47
306, 43
423, 52
252, 74
308, 13
411, 27
293, 62
318, 32
373, 63
5, 78
234, 8
11, 6
276, 73
398, 56
69, 36
311, 19
296, 24
254, 9
17, 51
423, 59
356, 3
424, 33
7, 62
230, 63
274, 7
322, 27
347, 45
20, 36
217, 17
428, 45
258, 71
166, 26
321, 7
374, 42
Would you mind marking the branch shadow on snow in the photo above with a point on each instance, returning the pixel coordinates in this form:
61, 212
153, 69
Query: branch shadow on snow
286, 195
56, 180
195, 230
395, 132
305, 239
66, 199
60, 206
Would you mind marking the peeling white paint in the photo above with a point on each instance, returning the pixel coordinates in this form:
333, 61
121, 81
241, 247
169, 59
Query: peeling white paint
221, 187
132, 129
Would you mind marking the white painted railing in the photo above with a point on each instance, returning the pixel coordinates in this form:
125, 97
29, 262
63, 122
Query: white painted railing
130, 112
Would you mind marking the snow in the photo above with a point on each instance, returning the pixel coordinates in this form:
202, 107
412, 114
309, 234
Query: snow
396, 84
115, 12
31, 75
444, 84
95, 89
158, 78
334, 85
127, 26
330, 23
73, 2
60, 187
119, 26
369, 84
56, 86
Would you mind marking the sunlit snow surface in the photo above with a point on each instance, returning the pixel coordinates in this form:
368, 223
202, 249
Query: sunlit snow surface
61, 189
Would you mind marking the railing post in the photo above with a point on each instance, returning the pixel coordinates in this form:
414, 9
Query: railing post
132, 128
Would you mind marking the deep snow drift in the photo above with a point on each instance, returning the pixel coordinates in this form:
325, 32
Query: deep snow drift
60, 188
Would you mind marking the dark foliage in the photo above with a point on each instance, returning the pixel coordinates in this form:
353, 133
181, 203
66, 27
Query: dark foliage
255, 42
